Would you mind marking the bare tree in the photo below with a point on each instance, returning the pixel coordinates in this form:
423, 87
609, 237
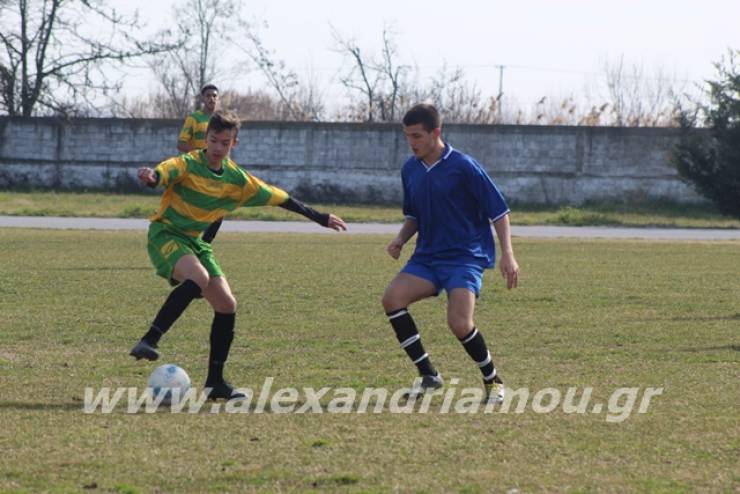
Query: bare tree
386, 89
362, 76
48, 60
457, 99
253, 105
297, 100
382, 82
394, 74
594, 116
204, 28
205, 36
638, 98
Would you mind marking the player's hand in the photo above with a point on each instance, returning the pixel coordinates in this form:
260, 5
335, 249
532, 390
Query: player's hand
147, 176
394, 248
336, 223
509, 269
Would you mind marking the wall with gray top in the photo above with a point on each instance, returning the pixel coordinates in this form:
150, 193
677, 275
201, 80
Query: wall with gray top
351, 162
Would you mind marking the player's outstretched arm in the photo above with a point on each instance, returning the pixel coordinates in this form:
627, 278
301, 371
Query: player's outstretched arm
327, 220
507, 263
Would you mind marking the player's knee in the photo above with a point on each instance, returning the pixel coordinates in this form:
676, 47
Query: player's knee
230, 307
391, 301
459, 323
225, 304
201, 279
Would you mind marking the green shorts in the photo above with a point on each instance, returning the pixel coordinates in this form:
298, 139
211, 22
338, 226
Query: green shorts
166, 246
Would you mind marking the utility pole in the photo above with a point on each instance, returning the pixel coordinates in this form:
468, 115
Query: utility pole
499, 97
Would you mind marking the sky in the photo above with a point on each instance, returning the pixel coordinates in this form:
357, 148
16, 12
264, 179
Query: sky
554, 48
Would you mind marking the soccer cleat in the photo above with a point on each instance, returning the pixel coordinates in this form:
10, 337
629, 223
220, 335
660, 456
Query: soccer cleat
223, 390
425, 384
142, 349
494, 390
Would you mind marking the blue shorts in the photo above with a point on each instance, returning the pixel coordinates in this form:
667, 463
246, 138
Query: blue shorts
448, 275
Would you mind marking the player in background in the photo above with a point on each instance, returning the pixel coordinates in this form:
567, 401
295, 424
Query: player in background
201, 186
193, 136
193, 133
450, 202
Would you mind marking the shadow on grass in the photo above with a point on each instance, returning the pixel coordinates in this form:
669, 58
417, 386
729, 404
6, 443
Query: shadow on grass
36, 406
735, 348
102, 268
733, 317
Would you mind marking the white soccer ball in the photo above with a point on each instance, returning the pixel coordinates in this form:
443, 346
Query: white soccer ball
170, 382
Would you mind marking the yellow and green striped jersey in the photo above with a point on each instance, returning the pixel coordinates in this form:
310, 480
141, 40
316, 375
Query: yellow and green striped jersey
194, 129
196, 196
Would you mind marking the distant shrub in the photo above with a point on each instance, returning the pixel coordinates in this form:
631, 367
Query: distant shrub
710, 160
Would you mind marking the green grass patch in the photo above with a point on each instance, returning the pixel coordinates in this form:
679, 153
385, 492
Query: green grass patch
643, 213
108, 205
599, 314
636, 214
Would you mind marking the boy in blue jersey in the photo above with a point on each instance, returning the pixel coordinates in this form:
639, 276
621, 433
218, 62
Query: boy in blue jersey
450, 202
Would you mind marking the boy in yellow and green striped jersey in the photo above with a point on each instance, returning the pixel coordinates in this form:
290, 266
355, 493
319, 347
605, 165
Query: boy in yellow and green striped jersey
193, 136
193, 133
201, 187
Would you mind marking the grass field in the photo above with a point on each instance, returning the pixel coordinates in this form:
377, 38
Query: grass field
638, 214
587, 314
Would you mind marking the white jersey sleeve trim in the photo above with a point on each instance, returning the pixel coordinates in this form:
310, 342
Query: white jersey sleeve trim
494, 220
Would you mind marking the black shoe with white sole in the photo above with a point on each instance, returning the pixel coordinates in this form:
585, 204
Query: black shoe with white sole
143, 350
223, 390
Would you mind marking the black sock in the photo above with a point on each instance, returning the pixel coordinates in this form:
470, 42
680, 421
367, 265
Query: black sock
212, 230
222, 334
408, 337
475, 345
176, 303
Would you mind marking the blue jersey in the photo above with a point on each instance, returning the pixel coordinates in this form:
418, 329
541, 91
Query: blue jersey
453, 202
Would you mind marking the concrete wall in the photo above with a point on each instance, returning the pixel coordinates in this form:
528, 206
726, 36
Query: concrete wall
351, 162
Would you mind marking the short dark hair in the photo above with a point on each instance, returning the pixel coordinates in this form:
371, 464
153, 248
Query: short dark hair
224, 120
425, 114
206, 88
